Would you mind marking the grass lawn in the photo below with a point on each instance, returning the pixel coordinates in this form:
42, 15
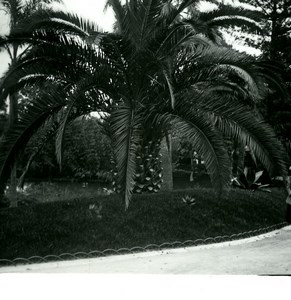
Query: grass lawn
69, 226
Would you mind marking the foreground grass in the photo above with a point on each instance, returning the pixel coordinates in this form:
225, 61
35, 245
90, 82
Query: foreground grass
70, 226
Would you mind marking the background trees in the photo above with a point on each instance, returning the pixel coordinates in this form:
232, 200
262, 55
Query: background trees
87, 156
274, 42
277, 47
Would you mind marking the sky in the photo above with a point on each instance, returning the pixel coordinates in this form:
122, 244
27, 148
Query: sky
89, 9
93, 10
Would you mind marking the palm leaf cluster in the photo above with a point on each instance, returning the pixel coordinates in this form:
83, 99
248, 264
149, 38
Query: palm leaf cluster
159, 70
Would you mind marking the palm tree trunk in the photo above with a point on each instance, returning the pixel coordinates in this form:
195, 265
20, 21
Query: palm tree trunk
238, 159
13, 117
167, 170
288, 200
26, 169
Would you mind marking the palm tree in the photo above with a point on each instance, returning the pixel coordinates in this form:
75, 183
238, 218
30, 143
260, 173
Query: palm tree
19, 12
153, 74
208, 24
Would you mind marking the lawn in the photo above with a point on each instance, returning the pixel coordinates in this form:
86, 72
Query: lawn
70, 226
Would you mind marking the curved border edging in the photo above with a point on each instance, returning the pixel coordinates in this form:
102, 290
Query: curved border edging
138, 249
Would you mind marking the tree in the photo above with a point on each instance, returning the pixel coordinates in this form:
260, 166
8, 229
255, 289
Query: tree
275, 44
19, 12
154, 73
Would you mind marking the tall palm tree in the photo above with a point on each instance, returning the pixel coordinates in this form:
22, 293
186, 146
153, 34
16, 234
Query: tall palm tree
19, 12
208, 24
154, 73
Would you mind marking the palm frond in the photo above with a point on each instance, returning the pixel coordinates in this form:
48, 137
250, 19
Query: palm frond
170, 87
236, 64
55, 62
206, 139
244, 75
233, 119
224, 13
260, 137
25, 38
17, 137
60, 136
209, 144
58, 21
176, 36
116, 5
150, 13
74, 109
125, 125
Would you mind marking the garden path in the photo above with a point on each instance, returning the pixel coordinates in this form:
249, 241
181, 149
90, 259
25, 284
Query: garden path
266, 254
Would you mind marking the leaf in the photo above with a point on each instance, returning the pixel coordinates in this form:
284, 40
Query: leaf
206, 140
126, 139
258, 135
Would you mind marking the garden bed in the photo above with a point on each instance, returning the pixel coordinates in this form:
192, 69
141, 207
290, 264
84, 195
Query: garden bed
74, 225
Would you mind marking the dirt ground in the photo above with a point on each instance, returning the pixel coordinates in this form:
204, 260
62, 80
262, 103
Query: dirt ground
267, 254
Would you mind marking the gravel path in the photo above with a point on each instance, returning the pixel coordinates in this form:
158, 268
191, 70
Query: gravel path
267, 254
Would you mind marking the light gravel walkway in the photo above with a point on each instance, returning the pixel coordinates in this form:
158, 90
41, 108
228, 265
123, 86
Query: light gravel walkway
266, 254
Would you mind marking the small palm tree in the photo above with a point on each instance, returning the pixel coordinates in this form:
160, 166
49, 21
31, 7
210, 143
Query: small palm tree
156, 72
